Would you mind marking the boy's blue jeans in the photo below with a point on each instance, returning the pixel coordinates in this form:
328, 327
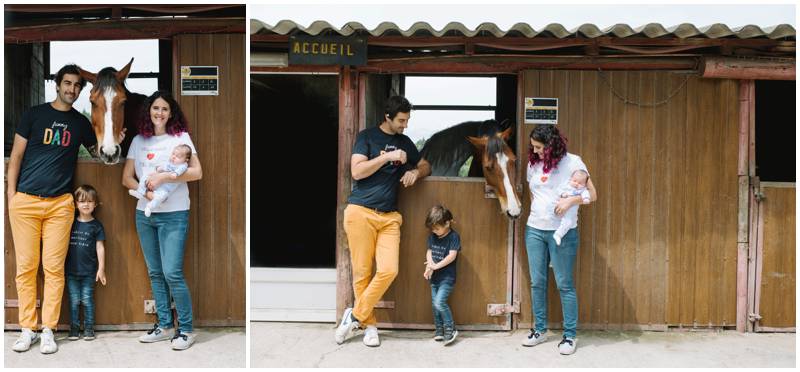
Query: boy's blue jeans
442, 316
81, 292
542, 249
162, 236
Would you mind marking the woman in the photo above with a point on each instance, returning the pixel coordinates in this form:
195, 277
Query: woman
550, 167
162, 235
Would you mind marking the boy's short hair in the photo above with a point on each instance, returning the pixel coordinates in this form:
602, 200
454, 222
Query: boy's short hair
438, 216
85, 193
186, 150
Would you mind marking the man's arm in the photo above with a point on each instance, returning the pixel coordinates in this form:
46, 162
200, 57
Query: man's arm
422, 170
14, 164
362, 167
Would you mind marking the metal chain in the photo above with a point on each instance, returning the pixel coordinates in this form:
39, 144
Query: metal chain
640, 104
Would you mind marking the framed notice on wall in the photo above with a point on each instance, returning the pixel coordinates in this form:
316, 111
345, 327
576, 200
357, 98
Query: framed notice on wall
541, 110
199, 80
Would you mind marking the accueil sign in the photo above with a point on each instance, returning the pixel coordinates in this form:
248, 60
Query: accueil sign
327, 50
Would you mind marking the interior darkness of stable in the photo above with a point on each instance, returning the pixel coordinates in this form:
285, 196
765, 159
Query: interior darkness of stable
294, 122
775, 130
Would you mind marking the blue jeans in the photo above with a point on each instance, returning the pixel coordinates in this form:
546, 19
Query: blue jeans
542, 250
81, 292
162, 236
442, 316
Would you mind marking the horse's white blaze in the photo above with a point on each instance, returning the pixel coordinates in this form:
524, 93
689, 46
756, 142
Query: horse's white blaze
108, 145
513, 204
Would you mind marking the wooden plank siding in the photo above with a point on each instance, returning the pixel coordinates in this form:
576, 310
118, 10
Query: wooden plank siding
659, 246
778, 272
482, 264
215, 248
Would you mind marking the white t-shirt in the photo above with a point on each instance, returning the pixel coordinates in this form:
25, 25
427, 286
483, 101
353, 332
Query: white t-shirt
147, 154
545, 191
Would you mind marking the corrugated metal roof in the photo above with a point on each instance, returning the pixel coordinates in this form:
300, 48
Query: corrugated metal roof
650, 30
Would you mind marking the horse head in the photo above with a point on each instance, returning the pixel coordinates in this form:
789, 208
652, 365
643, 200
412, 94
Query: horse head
108, 96
499, 169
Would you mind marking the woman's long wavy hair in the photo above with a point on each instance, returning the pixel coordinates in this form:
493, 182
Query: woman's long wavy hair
176, 124
555, 146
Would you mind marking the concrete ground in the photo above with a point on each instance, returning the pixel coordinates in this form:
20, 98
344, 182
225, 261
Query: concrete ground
215, 347
312, 345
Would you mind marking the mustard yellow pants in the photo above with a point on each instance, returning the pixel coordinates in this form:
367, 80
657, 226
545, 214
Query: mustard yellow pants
374, 240
48, 221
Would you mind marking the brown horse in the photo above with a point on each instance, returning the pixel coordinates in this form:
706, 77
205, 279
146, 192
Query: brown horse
499, 169
113, 108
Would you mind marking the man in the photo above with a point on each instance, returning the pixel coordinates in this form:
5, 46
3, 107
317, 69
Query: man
40, 204
383, 157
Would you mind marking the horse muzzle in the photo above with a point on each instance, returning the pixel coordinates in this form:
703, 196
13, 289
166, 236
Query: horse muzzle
112, 158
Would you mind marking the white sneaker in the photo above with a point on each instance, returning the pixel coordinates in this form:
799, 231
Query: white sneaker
183, 340
371, 337
157, 334
135, 194
534, 338
48, 345
346, 328
26, 338
567, 345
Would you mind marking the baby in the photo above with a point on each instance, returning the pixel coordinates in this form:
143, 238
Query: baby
177, 165
576, 186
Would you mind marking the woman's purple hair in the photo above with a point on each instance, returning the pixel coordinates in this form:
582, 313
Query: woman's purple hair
555, 147
176, 124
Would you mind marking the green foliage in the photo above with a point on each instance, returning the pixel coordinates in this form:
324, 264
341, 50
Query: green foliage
464, 170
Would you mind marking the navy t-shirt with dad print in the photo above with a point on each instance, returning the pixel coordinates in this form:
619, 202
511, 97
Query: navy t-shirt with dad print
82, 254
54, 138
379, 190
440, 248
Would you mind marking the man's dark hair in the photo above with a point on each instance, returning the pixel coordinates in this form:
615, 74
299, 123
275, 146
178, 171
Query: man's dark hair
396, 104
69, 69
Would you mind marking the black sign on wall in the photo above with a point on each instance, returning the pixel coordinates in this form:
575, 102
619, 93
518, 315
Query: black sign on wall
327, 50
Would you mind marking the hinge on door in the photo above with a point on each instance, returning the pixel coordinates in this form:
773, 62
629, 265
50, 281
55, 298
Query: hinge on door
753, 317
755, 183
502, 309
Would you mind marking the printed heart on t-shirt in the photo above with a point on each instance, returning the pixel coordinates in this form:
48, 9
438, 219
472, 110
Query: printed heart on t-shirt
544, 179
150, 156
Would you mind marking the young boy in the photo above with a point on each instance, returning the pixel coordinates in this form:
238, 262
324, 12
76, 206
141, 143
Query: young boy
575, 186
85, 262
440, 268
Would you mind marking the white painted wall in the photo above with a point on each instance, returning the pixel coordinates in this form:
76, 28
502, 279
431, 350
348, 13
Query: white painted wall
290, 294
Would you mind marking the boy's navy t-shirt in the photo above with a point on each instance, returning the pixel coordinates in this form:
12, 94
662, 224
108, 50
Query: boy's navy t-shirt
54, 138
82, 254
379, 190
440, 248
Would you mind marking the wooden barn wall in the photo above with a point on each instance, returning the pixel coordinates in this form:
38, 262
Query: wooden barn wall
659, 246
215, 248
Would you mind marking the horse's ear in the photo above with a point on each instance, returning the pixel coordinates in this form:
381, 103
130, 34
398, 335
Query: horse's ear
478, 142
506, 133
122, 74
86, 75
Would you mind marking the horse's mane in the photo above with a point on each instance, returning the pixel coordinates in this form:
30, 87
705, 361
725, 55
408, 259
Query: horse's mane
448, 149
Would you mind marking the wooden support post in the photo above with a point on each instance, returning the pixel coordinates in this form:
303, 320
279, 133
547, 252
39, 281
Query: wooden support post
737, 68
745, 168
348, 124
